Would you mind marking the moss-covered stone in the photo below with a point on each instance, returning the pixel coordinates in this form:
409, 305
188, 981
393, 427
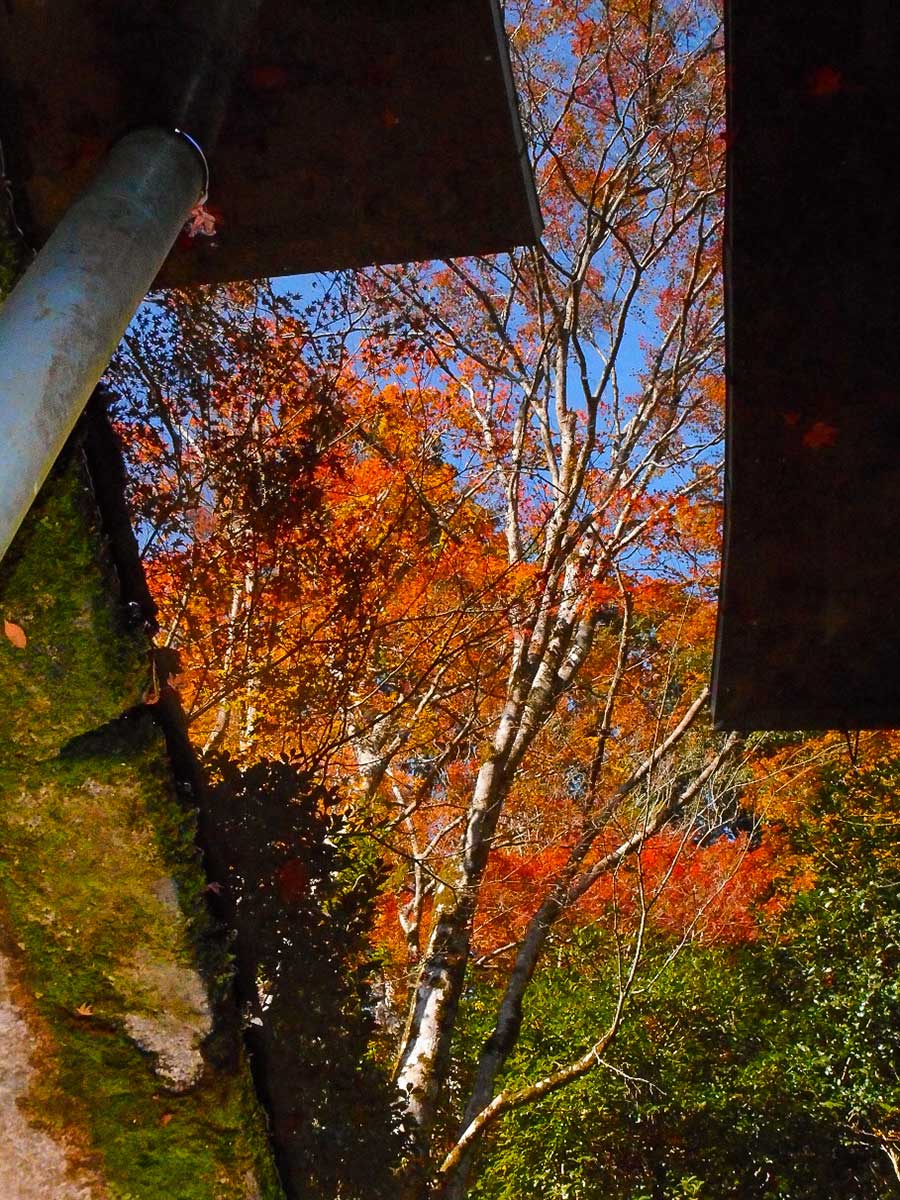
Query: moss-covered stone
101, 888
80, 666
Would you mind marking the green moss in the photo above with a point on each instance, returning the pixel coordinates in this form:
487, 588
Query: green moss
92, 840
82, 866
153, 1144
100, 883
80, 666
12, 252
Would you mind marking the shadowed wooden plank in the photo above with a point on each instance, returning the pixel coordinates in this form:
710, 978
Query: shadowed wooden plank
810, 599
356, 133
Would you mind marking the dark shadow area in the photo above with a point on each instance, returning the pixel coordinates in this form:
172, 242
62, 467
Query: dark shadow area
291, 899
298, 896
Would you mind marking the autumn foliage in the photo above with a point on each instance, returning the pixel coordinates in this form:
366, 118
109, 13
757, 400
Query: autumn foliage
446, 536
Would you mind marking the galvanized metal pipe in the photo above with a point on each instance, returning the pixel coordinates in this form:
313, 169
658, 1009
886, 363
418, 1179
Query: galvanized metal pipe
61, 324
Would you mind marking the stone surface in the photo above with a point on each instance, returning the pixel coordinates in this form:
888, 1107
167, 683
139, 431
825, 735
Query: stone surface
32, 1165
175, 1030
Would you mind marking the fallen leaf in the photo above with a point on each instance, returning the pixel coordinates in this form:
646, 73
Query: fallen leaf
820, 435
165, 1118
16, 634
84, 1010
268, 77
824, 81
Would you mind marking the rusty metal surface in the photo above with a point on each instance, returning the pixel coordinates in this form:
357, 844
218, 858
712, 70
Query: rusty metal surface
809, 628
356, 133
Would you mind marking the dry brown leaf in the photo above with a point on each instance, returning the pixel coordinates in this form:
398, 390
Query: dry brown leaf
84, 1010
16, 634
165, 1118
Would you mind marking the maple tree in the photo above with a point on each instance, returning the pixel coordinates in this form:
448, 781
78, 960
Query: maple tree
447, 538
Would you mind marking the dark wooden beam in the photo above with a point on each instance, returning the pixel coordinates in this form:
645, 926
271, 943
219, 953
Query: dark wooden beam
356, 132
809, 629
